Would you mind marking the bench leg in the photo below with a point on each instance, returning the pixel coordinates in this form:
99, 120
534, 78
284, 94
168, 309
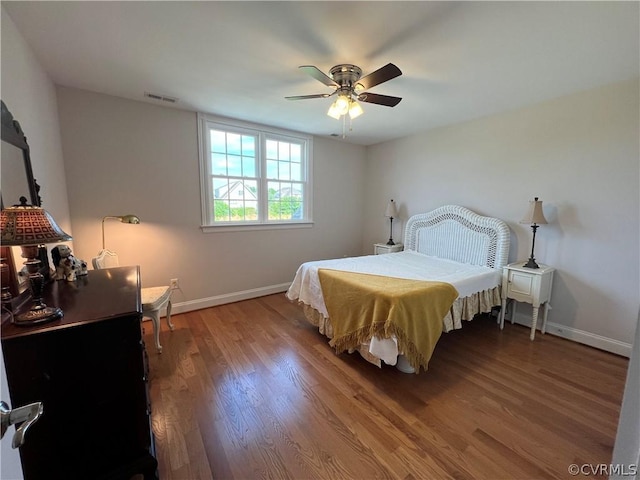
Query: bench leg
171, 327
153, 315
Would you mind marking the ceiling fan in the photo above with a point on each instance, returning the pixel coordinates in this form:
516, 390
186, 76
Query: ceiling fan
351, 88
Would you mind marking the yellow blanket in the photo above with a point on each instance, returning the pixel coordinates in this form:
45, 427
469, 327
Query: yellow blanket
362, 305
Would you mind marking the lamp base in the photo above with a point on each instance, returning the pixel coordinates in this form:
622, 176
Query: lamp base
531, 264
38, 315
391, 242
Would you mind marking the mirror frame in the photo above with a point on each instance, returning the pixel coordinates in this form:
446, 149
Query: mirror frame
11, 132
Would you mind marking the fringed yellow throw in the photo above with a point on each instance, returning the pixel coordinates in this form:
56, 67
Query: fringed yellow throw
361, 306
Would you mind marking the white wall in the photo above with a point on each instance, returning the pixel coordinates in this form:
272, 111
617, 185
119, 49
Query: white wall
30, 95
123, 156
579, 154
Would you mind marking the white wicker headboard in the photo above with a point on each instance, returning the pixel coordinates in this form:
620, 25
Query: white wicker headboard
457, 233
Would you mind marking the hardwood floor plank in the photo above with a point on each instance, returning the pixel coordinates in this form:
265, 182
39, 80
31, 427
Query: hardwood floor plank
251, 390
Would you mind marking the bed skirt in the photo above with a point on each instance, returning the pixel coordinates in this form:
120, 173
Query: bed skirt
462, 309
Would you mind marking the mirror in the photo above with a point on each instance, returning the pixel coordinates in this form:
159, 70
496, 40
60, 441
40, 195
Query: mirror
16, 181
17, 175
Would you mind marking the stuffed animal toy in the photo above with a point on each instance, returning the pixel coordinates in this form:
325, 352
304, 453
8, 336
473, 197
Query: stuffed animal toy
68, 267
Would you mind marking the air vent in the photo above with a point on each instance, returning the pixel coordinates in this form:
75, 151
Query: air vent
162, 98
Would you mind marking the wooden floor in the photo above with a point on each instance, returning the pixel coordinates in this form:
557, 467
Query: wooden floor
250, 390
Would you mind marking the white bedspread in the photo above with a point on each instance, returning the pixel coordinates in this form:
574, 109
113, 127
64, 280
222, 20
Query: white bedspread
468, 279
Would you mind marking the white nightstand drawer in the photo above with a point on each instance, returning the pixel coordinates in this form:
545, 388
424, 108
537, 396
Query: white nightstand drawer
382, 248
522, 285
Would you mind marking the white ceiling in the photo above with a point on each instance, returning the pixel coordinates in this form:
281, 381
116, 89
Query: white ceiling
460, 60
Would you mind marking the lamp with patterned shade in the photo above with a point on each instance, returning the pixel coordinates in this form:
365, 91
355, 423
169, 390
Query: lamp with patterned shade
28, 227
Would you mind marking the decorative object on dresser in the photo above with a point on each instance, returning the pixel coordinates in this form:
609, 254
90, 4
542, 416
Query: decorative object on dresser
534, 217
154, 299
89, 369
67, 266
29, 227
391, 212
521, 283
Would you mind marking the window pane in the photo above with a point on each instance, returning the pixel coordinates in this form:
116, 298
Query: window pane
220, 188
285, 201
296, 172
272, 149
218, 164
234, 145
248, 146
283, 151
284, 171
251, 210
272, 169
296, 152
235, 165
248, 166
218, 141
221, 211
251, 189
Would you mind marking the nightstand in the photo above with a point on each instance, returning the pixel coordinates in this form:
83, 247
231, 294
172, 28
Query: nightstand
529, 285
381, 248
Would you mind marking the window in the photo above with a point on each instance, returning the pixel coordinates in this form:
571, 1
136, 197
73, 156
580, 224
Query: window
253, 175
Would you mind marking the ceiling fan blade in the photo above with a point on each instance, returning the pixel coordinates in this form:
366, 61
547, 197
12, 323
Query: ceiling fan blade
304, 97
381, 75
318, 75
378, 99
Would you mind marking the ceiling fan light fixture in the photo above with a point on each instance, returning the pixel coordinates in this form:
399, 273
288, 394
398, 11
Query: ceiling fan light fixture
342, 104
340, 107
349, 85
355, 110
333, 111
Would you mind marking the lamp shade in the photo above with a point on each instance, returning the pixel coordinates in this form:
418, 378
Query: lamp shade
29, 225
534, 215
355, 110
392, 210
132, 219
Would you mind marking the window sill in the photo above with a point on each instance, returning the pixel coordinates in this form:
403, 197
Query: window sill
254, 226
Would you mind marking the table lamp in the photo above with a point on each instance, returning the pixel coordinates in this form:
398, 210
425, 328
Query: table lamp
29, 227
534, 217
391, 212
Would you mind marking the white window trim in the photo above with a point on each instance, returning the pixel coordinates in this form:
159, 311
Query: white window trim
205, 201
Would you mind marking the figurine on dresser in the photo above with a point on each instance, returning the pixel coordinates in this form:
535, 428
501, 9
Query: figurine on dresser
68, 267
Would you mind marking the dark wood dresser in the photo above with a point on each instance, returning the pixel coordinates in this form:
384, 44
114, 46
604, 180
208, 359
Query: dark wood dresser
89, 369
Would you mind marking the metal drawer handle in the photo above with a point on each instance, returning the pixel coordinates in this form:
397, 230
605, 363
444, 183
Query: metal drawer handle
27, 415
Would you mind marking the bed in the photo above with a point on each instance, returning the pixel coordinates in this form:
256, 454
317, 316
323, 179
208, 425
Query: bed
393, 308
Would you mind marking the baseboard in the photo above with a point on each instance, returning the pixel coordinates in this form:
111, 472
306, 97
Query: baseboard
580, 336
191, 305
